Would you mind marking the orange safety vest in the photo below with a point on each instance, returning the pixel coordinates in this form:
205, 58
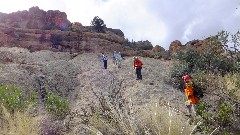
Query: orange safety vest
189, 93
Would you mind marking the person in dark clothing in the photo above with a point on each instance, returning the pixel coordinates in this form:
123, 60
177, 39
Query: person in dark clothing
137, 64
105, 58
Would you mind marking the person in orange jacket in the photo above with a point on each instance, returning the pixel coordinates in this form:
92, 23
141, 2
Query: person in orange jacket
137, 64
192, 101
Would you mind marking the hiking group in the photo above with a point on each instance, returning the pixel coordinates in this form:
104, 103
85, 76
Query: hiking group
193, 95
117, 58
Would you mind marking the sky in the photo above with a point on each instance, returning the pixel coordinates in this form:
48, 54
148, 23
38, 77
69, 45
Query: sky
158, 21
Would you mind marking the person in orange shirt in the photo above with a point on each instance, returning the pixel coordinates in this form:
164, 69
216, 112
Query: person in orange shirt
192, 101
137, 64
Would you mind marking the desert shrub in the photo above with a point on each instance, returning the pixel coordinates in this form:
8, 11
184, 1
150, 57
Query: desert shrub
156, 119
221, 119
224, 115
11, 97
206, 118
56, 105
232, 82
176, 74
189, 56
19, 123
116, 115
146, 53
211, 59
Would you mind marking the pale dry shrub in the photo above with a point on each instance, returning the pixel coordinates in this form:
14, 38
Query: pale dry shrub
118, 115
19, 123
162, 120
232, 85
149, 120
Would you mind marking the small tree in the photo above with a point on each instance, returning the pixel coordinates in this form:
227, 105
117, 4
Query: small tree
98, 24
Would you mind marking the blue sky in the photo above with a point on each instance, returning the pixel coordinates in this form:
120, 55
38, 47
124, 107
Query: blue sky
159, 21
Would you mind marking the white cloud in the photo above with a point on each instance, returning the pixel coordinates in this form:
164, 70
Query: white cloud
159, 21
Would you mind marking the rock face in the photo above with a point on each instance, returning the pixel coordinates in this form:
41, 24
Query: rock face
35, 18
36, 29
199, 45
175, 46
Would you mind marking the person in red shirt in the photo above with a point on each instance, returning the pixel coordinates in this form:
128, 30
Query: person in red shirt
137, 64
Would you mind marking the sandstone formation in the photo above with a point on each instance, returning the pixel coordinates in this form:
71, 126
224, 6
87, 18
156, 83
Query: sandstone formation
175, 46
36, 29
200, 46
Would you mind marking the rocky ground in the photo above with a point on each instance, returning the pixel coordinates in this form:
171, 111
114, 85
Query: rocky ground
79, 77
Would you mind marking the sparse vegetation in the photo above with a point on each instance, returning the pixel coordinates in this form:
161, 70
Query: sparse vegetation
210, 69
20, 123
56, 105
15, 109
116, 115
18, 111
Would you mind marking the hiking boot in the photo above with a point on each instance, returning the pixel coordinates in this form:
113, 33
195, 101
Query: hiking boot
137, 79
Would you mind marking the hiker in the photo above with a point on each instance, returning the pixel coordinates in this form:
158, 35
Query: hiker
192, 101
114, 57
105, 58
118, 57
137, 64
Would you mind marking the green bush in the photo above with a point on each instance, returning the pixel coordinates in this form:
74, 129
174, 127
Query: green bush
56, 105
11, 98
224, 115
176, 74
211, 59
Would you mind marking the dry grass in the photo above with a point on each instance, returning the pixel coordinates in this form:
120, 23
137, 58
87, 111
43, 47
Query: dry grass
231, 82
19, 123
162, 120
151, 119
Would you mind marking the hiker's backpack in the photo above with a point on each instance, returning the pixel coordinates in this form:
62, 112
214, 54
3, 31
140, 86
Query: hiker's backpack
197, 91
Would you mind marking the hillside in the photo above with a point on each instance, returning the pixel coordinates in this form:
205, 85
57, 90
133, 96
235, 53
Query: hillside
59, 64
81, 78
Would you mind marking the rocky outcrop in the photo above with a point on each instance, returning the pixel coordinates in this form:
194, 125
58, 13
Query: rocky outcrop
157, 49
175, 46
57, 40
35, 18
200, 46
50, 30
116, 31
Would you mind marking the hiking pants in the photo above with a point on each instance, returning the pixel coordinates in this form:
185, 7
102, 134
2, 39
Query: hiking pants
138, 72
191, 108
118, 63
105, 64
